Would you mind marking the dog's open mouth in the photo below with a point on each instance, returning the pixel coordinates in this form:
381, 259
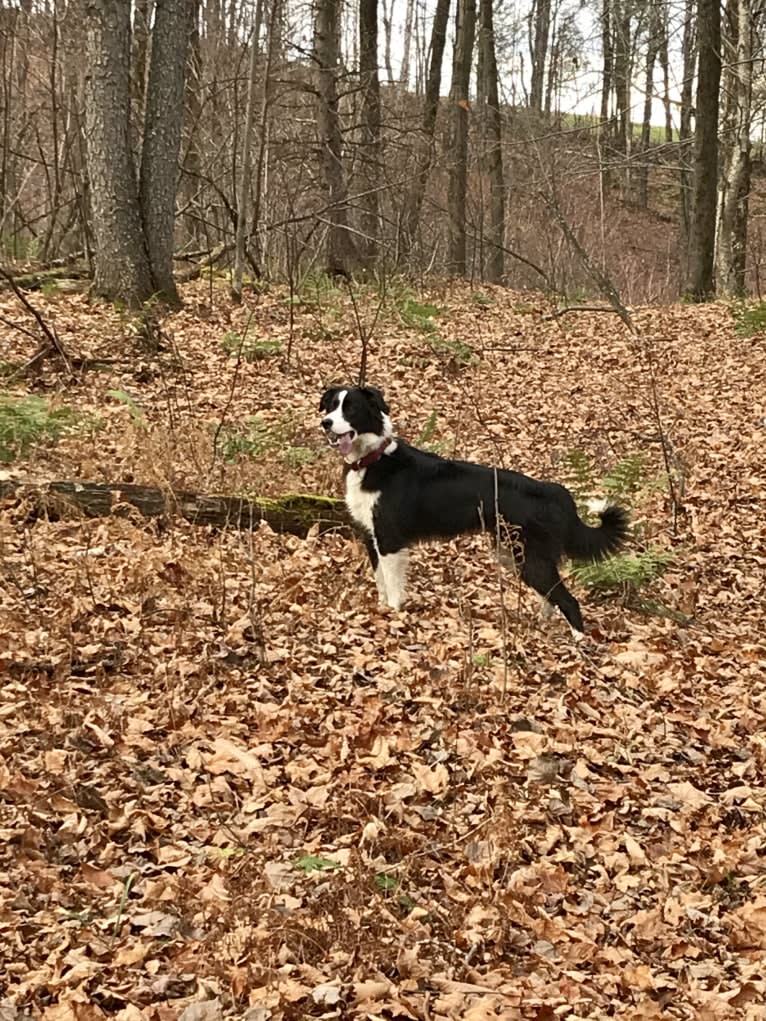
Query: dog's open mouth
342, 441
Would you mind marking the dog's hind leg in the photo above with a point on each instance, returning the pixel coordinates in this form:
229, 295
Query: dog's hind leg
542, 575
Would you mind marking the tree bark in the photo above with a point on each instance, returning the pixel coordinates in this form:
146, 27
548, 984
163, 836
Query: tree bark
736, 129
652, 49
689, 54
340, 255
607, 76
493, 149
704, 189
404, 73
465, 25
243, 192
539, 31
122, 269
162, 138
370, 134
295, 513
414, 200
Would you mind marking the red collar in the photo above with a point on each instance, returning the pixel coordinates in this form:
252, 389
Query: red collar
371, 458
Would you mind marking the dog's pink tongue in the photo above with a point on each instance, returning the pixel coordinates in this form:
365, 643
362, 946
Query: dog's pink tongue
344, 443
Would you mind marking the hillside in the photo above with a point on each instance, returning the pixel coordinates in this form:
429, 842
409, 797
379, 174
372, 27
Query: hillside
232, 786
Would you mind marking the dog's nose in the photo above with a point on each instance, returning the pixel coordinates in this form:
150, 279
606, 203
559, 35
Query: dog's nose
327, 423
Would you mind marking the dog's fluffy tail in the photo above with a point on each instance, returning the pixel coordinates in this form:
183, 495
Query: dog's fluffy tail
588, 543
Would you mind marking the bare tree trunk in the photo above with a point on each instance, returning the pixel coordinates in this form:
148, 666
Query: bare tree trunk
652, 48
368, 73
622, 69
608, 71
414, 200
665, 64
341, 252
243, 192
702, 232
493, 153
465, 25
122, 269
192, 160
539, 29
404, 75
388, 11
736, 128
272, 55
689, 52
162, 138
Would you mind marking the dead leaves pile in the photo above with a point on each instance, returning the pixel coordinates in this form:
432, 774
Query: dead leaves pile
231, 786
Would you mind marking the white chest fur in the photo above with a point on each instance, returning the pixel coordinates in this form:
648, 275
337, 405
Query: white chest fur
360, 502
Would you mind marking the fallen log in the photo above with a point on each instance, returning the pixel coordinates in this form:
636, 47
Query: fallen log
295, 513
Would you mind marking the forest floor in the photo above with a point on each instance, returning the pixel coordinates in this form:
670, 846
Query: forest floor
232, 786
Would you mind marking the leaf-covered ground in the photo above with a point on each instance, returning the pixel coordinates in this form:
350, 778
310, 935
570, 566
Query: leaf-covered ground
232, 786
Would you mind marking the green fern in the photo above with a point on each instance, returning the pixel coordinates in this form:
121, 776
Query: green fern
627, 571
26, 420
625, 478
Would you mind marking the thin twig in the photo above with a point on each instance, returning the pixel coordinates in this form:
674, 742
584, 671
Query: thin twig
54, 344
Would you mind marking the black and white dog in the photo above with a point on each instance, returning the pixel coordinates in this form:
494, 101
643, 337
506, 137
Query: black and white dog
400, 496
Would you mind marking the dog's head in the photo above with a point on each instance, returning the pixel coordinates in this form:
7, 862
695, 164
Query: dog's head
355, 419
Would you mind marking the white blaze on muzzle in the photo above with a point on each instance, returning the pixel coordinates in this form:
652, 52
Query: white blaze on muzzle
339, 431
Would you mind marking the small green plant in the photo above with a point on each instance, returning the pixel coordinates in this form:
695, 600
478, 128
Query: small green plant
627, 571
418, 315
455, 351
25, 421
315, 289
426, 438
626, 477
391, 885
309, 863
131, 404
253, 438
622, 483
295, 457
482, 299
749, 319
580, 474
250, 350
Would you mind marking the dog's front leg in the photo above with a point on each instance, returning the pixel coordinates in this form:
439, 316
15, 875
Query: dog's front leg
380, 581
393, 570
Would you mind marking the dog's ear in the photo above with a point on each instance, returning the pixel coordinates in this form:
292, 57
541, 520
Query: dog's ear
327, 396
377, 398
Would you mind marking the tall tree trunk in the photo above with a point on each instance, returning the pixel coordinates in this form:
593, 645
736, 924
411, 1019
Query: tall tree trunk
388, 12
414, 200
273, 54
736, 128
665, 64
607, 76
192, 161
652, 48
493, 150
340, 256
465, 25
122, 269
162, 138
243, 192
702, 230
370, 135
539, 30
689, 54
404, 75
622, 69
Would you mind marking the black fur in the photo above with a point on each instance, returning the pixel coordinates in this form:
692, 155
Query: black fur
424, 496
